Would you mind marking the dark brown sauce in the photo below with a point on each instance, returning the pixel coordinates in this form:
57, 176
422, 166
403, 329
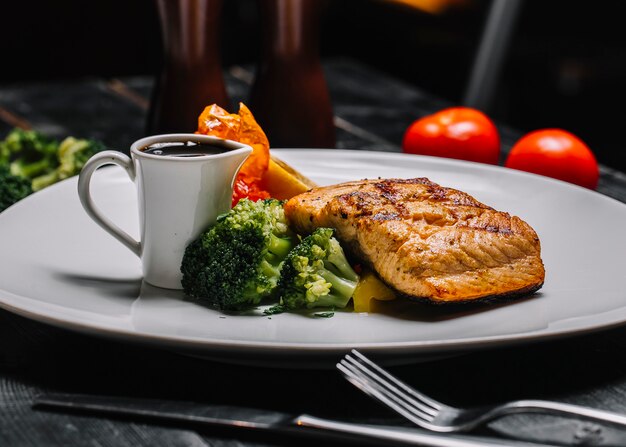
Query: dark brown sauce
187, 149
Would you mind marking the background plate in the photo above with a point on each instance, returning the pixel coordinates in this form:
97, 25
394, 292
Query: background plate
59, 267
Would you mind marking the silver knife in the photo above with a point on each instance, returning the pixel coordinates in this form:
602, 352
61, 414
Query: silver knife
253, 419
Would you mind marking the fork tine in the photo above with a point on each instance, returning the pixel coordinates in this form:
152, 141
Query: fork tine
412, 414
392, 388
398, 395
423, 398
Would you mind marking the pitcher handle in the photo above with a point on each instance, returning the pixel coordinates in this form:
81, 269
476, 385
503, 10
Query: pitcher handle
84, 181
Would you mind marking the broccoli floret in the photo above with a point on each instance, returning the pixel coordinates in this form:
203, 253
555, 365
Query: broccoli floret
12, 188
316, 273
29, 153
33, 156
237, 262
72, 156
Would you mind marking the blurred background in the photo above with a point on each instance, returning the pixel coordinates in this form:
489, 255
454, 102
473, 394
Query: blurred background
564, 67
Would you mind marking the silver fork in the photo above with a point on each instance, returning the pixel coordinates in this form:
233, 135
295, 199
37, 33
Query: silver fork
436, 416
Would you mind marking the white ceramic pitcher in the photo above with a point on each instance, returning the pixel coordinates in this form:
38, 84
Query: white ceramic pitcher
179, 197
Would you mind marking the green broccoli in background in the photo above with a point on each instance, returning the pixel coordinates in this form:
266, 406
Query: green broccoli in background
316, 273
28, 153
12, 188
237, 262
72, 155
39, 161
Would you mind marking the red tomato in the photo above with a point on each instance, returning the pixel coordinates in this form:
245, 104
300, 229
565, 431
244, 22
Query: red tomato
458, 132
555, 153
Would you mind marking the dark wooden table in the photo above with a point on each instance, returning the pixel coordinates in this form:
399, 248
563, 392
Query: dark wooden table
372, 112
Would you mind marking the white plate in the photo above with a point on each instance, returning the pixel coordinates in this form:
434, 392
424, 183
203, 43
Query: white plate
60, 268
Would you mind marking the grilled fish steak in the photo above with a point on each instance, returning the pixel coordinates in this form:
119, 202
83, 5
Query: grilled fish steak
425, 240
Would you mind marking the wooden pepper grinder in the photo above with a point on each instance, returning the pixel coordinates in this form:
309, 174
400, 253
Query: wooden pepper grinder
290, 97
192, 72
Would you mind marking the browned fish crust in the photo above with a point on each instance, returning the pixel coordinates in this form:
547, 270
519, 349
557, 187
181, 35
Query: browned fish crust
509, 296
425, 240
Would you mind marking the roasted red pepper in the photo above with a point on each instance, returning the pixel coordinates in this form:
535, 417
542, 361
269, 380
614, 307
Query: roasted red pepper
251, 190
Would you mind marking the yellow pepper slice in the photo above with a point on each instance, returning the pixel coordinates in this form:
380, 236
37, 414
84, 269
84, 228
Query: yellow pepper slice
369, 290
